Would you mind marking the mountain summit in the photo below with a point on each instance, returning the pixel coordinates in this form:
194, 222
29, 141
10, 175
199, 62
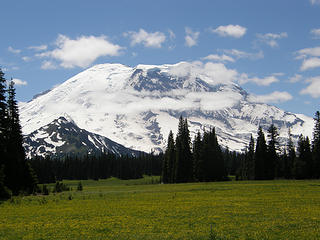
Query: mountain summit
138, 106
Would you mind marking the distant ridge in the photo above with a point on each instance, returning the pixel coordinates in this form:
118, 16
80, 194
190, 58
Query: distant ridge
62, 136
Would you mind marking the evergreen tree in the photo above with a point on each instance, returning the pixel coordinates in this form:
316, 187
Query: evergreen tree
303, 163
250, 159
196, 150
308, 158
4, 191
316, 146
19, 175
260, 156
211, 166
3, 118
283, 166
288, 171
183, 166
168, 161
300, 163
271, 164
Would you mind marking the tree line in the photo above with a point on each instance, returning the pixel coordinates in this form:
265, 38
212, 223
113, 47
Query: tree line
267, 160
50, 169
203, 160
16, 174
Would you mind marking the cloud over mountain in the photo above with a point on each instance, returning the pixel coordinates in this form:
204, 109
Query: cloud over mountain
80, 52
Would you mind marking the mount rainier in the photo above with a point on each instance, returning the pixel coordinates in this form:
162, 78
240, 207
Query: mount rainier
138, 106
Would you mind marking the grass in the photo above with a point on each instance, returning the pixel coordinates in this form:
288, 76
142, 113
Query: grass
137, 209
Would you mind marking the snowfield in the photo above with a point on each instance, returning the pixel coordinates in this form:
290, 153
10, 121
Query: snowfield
138, 106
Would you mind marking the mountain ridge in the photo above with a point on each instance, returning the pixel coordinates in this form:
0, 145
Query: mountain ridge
138, 106
63, 137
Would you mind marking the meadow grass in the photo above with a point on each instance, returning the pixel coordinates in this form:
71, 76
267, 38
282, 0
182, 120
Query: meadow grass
137, 209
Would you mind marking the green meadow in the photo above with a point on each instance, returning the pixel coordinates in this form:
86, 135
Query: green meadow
143, 209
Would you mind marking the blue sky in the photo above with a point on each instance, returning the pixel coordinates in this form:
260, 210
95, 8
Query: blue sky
273, 46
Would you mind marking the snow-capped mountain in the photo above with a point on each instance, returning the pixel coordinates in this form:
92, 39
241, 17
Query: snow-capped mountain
138, 106
63, 136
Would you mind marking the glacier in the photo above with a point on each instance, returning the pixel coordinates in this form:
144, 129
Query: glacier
138, 106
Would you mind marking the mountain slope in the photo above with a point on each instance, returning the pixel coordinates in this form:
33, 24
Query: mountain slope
137, 107
62, 136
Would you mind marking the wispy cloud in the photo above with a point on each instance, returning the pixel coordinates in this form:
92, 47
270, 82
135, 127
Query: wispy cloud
26, 59
212, 73
266, 81
274, 97
19, 82
235, 31
13, 50
219, 58
241, 54
48, 65
315, 33
314, 87
295, 78
271, 38
307, 52
191, 38
171, 34
80, 52
310, 63
38, 48
314, 2
310, 56
152, 39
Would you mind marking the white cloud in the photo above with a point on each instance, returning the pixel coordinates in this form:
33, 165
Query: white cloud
310, 63
266, 81
274, 97
19, 82
278, 74
46, 65
241, 54
310, 56
12, 50
271, 38
219, 58
315, 33
81, 52
313, 2
212, 73
26, 59
314, 87
154, 39
235, 31
307, 52
191, 37
295, 78
39, 48
171, 34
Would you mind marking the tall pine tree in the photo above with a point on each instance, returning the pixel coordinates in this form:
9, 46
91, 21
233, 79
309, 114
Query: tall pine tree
3, 119
196, 150
19, 175
271, 164
250, 160
184, 161
260, 156
288, 171
169, 161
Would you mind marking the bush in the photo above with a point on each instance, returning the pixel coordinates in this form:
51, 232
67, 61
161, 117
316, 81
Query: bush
45, 190
5, 192
60, 187
79, 188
